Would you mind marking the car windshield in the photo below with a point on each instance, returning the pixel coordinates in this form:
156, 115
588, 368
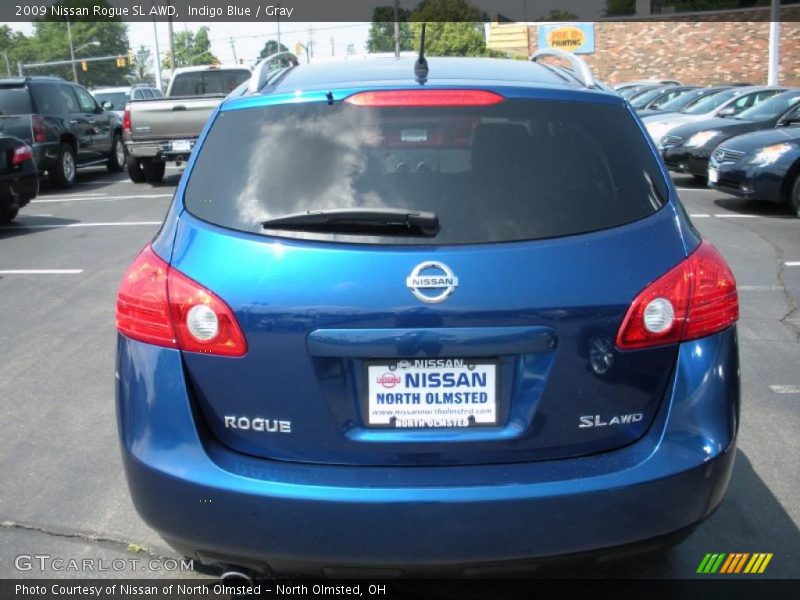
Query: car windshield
14, 101
201, 83
516, 170
117, 99
706, 104
770, 109
683, 100
641, 100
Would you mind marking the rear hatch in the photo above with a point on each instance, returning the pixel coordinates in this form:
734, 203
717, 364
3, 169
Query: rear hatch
381, 342
15, 110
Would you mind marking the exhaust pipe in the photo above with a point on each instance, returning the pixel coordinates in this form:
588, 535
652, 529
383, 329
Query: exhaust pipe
236, 578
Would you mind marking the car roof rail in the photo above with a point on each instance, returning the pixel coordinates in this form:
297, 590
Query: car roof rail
580, 70
262, 71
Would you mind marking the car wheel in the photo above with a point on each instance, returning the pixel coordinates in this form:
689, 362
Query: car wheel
794, 199
135, 170
116, 160
63, 172
8, 214
153, 170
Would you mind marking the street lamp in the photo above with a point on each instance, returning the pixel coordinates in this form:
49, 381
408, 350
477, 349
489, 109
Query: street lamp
92, 43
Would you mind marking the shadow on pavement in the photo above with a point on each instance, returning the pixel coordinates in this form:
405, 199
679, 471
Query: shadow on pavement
750, 519
761, 208
28, 224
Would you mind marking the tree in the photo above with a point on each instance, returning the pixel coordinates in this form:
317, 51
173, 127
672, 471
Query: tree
13, 45
618, 8
272, 47
559, 15
381, 31
49, 42
453, 28
143, 65
191, 49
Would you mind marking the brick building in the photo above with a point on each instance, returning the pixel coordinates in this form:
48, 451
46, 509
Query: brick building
722, 48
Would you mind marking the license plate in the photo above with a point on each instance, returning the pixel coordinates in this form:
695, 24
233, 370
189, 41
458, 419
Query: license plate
431, 393
713, 175
181, 146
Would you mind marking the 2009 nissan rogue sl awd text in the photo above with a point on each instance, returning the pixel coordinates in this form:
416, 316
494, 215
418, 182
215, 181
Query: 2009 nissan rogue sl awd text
404, 318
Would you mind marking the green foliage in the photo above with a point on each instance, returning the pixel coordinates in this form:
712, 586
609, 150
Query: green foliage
454, 28
381, 31
49, 42
191, 49
619, 8
271, 47
454, 39
559, 15
143, 65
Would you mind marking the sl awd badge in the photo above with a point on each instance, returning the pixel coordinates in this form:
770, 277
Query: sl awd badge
432, 282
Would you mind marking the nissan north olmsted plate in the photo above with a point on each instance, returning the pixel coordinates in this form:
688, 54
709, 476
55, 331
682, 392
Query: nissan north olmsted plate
431, 393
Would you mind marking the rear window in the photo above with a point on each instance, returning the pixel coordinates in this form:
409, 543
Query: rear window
200, 83
15, 101
518, 170
117, 99
708, 103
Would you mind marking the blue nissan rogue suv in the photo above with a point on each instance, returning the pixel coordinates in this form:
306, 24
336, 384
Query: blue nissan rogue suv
444, 318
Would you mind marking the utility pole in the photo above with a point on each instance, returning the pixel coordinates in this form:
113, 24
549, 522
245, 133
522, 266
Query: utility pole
333, 47
72, 53
8, 65
774, 43
158, 56
310, 44
233, 47
396, 30
171, 43
278, 16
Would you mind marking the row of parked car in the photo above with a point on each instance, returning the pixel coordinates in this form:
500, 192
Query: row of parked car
741, 139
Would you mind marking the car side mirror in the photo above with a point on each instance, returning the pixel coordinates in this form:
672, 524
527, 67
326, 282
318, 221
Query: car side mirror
107, 105
727, 112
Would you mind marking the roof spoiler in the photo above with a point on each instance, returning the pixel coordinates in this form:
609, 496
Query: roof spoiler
262, 71
580, 69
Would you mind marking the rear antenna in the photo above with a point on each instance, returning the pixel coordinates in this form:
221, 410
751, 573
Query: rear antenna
421, 66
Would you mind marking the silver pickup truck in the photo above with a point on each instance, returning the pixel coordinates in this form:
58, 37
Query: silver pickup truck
158, 131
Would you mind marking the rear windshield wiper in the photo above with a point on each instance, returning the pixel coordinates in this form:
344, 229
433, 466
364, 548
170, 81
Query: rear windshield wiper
391, 221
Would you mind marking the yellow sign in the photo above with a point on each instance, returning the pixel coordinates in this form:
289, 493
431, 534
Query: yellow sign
567, 38
84, 66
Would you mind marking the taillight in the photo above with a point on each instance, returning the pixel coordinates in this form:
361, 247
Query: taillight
694, 299
21, 154
425, 98
159, 305
126, 119
37, 124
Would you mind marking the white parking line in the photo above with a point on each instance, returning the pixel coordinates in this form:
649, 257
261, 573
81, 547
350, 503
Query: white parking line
60, 226
41, 271
85, 198
792, 263
733, 216
698, 215
685, 189
760, 288
785, 389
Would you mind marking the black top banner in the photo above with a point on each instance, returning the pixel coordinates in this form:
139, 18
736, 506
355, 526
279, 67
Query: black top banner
270, 11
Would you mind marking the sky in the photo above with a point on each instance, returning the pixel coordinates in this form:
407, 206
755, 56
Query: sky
248, 38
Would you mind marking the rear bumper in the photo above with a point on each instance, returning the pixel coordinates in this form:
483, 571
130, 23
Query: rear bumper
17, 189
222, 506
159, 150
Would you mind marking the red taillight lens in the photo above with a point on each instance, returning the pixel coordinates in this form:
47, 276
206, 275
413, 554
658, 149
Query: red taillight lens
126, 119
159, 305
425, 98
21, 154
694, 299
37, 124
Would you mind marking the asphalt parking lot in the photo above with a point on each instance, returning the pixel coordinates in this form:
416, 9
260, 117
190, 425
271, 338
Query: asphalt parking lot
63, 489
